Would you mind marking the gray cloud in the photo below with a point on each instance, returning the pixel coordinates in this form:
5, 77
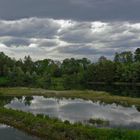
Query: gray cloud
85, 50
14, 41
71, 9
32, 27
58, 39
68, 28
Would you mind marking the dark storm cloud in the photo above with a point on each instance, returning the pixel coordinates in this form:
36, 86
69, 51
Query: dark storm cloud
71, 9
14, 41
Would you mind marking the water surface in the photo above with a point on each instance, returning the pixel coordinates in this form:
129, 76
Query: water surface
9, 133
78, 110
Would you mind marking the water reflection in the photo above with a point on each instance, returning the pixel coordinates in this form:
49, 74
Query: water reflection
8, 133
5, 100
79, 110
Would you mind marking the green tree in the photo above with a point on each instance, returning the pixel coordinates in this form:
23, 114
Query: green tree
28, 79
137, 55
124, 57
34, 78
28, 64
105, 71
70, 66
16, 76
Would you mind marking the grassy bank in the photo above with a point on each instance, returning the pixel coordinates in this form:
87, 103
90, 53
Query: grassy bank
86, 94
53, 129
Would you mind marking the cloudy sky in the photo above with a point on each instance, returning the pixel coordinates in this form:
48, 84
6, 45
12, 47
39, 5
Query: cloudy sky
58, 29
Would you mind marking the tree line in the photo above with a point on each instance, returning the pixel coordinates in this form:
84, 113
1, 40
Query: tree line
70, 73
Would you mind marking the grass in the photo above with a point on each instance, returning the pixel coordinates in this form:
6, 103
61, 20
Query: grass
54, 129
85, 94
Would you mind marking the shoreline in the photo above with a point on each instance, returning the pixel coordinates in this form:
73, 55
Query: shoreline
85, 94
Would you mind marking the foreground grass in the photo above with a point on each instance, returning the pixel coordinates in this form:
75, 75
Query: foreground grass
53, 129
86, 94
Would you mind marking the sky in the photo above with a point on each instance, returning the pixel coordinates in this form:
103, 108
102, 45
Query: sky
59, 29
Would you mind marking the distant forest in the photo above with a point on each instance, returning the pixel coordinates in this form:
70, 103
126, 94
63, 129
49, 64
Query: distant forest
71, 73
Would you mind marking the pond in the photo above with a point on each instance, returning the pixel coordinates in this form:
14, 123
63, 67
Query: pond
9, 133
78, 110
